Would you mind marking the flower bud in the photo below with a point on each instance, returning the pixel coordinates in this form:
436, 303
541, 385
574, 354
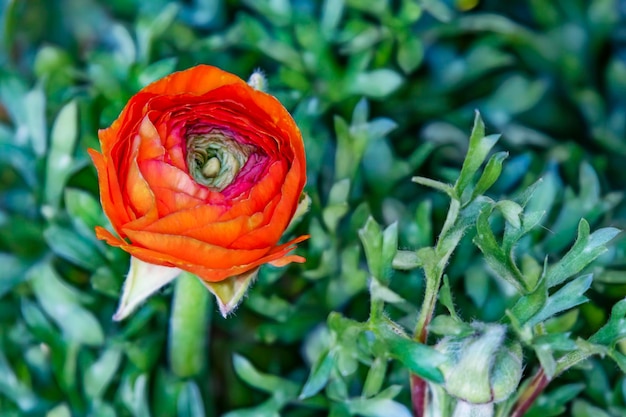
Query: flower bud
483, 367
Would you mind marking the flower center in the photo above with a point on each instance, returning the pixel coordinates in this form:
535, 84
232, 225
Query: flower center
214, 159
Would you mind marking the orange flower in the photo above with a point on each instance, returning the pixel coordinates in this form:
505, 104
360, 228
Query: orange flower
203, 173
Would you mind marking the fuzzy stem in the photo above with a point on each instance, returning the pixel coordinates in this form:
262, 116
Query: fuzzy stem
433, 276
189, 326
530, 394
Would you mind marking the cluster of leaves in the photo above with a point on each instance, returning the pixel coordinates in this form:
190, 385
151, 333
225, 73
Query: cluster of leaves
382, 91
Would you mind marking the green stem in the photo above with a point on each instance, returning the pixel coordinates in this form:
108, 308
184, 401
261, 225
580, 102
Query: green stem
433, 272
189, 326
540, 381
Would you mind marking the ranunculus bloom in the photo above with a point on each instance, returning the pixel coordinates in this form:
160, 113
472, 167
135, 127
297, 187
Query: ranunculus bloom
203, 173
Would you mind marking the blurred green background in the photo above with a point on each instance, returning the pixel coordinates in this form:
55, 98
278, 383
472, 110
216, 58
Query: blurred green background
382, 91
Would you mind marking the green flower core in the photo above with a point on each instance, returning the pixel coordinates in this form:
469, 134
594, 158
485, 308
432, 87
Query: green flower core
214, 159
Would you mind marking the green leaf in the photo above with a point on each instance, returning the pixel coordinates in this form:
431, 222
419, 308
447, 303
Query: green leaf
437, 185
565, 298
490, 174
267, 383
376, 84
586, 248
133, 393
60, 302
377, 407
478, 149
84, 206
320, 373
13, 272
71, 246
13, 388
406, 260
375, 377
501, 262
511, 212
61, 410
99, 375
614, 329
60, 156
417, 357
157, 70
410, 53
35, 107
380, 248
190, 402
337, 205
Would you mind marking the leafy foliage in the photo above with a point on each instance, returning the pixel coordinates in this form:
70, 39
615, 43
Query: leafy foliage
518, 227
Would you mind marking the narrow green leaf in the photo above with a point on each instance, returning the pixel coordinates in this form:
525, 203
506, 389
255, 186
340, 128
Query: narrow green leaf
320, 373
437, 185
406, 260
417, 357
264, 382
565, 298
490, 174
410, 53
377, 407
71, 246
586, 248
614, 329
190, 402
59, 162
377, 83
478, 148
60, 302
99, 375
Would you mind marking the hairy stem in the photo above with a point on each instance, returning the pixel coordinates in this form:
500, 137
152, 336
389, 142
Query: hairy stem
533, 390
433, 272
189, 326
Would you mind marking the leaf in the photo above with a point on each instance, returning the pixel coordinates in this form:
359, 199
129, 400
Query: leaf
490, 174
406, 260
410, 54
267, 383
586, 249
377, 407
479, 146
614, 329
82, 205
13, 388
565, 298
71, 246
380, 248
320, 373
376, 84
133, 393
337, 205
60, 156
99, 375
60, 302
190, 402
417, 357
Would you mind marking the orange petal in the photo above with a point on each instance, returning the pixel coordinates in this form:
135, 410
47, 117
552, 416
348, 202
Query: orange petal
110, 193
193, 251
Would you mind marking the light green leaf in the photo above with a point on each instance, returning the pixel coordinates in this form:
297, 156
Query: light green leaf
60, 157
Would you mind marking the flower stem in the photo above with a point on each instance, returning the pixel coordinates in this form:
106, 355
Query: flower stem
189, 326
530, 394
433, 272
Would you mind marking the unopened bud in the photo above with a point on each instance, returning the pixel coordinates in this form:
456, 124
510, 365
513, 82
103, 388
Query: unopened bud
481, 368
